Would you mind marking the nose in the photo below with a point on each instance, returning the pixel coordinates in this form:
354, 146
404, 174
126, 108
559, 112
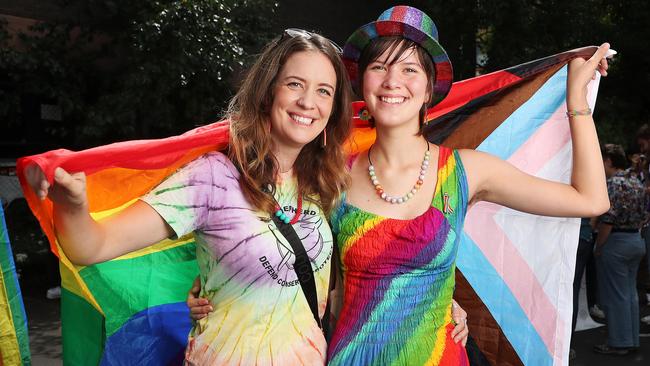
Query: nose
391, 80
306, 100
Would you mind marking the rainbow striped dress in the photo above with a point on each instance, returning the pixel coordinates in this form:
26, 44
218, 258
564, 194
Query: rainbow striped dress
398, 278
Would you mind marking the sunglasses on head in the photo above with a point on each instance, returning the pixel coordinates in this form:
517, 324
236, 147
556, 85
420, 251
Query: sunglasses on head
297, 32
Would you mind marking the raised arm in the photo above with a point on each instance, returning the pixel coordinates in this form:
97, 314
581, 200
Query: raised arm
84, 240
494, 180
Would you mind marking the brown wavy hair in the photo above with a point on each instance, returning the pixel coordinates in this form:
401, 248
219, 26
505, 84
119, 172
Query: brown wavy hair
320, 170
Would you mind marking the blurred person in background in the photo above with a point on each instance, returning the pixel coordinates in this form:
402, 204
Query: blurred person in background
618, 250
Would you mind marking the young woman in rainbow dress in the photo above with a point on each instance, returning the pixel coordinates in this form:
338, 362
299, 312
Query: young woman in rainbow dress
399, 223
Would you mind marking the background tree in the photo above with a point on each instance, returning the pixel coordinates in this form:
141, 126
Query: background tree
458, 24
133, 69
516, 31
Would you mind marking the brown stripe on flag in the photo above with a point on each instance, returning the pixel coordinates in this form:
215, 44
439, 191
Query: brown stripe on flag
485, 331
536, 66
479, 123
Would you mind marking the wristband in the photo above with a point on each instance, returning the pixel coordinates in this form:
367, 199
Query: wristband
581, 112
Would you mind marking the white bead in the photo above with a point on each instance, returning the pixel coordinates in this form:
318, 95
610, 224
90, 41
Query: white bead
425, 163
393, 200
426, 158
421, 177
383, 196
375, 182
371, 168
400, 200
413, 190
409, 195
423, 172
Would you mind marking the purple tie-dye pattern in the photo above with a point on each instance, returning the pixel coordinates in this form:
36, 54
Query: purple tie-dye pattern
246, 267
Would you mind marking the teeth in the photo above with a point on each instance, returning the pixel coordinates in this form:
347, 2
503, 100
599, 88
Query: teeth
302, 120
392, 100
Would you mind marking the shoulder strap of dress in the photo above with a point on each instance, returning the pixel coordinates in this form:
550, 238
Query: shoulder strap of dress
449, 183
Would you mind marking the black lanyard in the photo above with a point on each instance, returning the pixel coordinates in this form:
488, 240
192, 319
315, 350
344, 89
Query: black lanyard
302, 266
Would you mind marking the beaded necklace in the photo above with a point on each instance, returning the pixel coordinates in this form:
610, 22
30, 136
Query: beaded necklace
380, 190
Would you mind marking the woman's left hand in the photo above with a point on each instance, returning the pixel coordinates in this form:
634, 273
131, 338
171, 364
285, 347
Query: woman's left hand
199, 307
461, 331
581, 72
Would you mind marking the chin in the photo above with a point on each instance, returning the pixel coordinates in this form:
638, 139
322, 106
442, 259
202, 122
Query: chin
302, 141
392, 122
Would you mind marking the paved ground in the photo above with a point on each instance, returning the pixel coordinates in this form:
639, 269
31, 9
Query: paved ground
45, 337
585, 340
44, 322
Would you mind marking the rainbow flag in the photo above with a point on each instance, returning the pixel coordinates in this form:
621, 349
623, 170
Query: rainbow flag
515, 270
14, 341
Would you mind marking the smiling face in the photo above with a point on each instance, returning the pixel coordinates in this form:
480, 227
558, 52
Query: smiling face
303, 97
395, 90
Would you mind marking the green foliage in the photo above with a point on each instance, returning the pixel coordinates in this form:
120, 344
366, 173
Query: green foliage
516, 31
131, 69
457, 22
135, 69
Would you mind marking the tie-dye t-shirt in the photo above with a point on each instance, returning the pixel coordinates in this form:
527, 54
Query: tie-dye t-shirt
261, 316
398, 279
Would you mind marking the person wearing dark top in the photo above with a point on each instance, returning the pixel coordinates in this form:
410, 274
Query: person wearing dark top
619, 249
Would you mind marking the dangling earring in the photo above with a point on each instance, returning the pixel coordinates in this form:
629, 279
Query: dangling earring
364, 115
324, 142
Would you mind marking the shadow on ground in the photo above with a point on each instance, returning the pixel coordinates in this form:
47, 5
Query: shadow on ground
584, 341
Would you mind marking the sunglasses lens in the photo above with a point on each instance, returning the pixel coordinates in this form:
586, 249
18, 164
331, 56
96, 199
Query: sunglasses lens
296, 32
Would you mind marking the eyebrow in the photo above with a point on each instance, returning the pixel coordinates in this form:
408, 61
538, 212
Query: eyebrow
398, 62
410, 63
303, 80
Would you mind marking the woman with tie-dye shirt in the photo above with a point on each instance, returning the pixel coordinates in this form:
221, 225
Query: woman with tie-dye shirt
288, 122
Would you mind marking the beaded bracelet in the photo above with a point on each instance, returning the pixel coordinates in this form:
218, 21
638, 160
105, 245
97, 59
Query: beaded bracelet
581, 112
